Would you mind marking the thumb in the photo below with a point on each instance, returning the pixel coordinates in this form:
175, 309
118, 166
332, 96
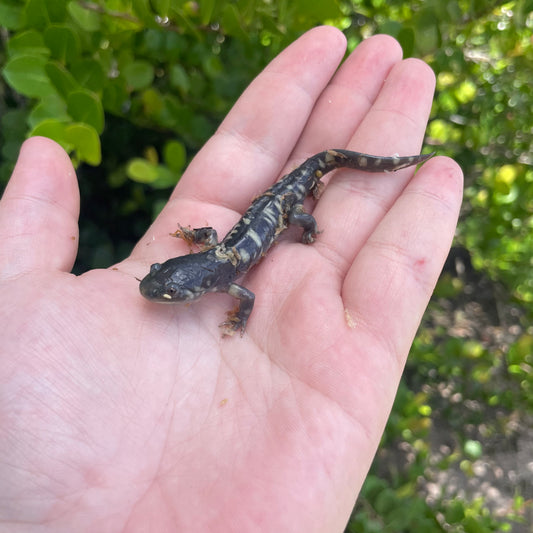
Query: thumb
39, 211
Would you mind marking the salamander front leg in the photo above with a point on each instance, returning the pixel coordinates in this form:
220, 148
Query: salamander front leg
207, 237
238, 317
299, 217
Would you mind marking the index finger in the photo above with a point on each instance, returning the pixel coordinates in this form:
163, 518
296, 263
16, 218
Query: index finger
253, 142
247, 152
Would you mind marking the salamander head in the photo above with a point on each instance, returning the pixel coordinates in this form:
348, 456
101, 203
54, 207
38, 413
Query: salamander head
186, 278
176, 280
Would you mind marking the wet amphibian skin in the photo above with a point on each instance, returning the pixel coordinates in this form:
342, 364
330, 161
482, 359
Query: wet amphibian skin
216, 267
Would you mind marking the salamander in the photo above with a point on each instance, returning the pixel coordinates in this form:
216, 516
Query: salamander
216, 267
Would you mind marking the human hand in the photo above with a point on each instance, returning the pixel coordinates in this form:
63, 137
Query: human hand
119, 414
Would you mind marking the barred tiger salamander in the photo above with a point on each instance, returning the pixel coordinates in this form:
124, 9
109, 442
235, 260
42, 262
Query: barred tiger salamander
216, 267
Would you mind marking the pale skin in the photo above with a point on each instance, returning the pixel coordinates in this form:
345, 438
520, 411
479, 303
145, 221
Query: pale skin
122, 415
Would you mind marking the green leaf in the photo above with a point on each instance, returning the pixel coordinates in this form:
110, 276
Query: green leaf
80, 138
521, 351
84, 106
28, 43
427, 31
473, 449
406, 37
26, 74
138, 74
157, 176
86, 143
89, 74
174, 155
232, 24
41, 13
206, 11
141, 170
161, 7
63, 43
143, 9
10, 14
52, 107
53, 129
61, 78
466, 92
85, 18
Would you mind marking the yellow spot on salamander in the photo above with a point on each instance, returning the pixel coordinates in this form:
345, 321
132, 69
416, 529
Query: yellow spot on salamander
244, 256
167, 296
224, 254
330, 156
255, 237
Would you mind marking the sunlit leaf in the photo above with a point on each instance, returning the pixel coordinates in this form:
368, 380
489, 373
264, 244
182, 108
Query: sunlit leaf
473, 449
141, 170
85, 141
26, 74
80, 138
466, 92
53, 129
157, 176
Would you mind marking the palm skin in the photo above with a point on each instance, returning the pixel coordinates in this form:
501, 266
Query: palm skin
119, 414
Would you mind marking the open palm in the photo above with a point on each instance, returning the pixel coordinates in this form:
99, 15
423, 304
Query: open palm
119, 414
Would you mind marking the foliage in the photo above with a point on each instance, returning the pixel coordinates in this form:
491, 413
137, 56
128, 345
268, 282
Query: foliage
132, 89
483, 55
401, 510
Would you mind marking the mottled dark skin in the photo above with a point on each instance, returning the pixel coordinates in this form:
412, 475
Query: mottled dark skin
215, 269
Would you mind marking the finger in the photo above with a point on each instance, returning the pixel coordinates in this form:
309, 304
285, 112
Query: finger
39, 211
354, 201
246, 154
389, 285
252, 144
349, 96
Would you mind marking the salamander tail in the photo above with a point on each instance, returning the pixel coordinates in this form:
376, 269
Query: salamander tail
372, 163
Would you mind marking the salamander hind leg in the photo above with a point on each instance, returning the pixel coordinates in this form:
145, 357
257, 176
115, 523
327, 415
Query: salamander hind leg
206, 237
299, 217
238, 317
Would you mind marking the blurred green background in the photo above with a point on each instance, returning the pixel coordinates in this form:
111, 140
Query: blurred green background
132, 89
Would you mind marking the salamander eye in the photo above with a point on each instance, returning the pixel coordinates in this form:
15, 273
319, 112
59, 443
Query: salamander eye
155, 268
170, 292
